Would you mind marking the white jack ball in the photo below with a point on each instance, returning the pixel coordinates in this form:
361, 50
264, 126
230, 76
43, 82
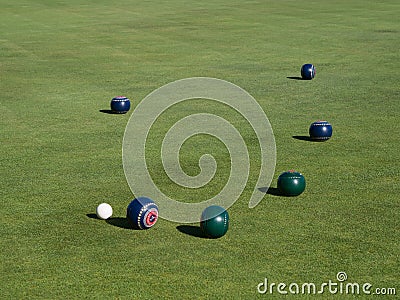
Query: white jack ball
104, 211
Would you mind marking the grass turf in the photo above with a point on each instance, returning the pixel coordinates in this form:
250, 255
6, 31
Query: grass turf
62, 62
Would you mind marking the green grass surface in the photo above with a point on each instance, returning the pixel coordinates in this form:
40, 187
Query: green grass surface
61, 62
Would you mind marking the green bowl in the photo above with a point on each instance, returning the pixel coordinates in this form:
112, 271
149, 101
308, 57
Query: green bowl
291, 183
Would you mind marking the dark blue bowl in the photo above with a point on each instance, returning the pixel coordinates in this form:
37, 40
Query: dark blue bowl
142, 213
320, 131
120, 104
307, 71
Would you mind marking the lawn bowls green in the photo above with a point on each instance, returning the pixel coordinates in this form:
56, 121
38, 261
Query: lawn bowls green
291, 183
214, 221
142, 213
307, 71
320, 131
120, 105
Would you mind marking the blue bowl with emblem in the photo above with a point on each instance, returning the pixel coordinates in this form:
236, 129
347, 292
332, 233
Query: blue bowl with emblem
142, 213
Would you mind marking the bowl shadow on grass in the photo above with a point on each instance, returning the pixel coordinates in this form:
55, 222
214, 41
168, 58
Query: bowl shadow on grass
271, 191
191, 230
107, 111
121, 223
116, 221
305, 138
111, 112
295, 78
